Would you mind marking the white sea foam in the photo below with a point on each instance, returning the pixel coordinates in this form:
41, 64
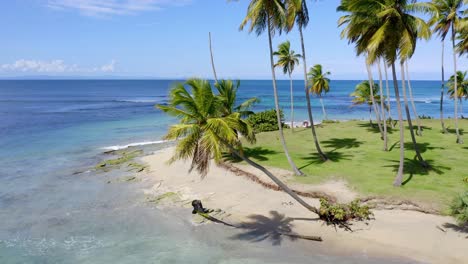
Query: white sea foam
117, 147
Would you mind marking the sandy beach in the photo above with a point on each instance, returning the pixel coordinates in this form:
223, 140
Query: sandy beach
394, 233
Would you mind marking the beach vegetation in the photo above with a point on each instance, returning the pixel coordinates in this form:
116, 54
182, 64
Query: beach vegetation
459, 208
319, 84
288, 59
264, 121
462, 89
339, 213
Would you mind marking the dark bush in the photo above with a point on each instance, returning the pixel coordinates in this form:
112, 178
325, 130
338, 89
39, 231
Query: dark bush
264, 121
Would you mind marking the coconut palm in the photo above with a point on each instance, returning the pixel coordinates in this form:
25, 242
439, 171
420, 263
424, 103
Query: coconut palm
413, 106
462, 91
227, 90
446, 18
298, 14
319, 84
385, 28
382, 108
288, 59
270, 15
462, 45
204, 132
362, 95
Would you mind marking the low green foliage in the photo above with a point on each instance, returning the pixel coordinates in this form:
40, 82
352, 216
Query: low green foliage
459, 208
125, 156
264, 121
425, 117
336, 212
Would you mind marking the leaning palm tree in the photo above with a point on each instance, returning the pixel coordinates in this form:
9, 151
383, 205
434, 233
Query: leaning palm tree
204, 132
288, 59
447, 15
297, 13
270, 15
319, 84
362, 95
385, 28
462, 91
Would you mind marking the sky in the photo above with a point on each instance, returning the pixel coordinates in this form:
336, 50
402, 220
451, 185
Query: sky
168, 39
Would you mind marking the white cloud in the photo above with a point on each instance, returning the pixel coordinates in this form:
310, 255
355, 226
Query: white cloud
53, 66
112, 7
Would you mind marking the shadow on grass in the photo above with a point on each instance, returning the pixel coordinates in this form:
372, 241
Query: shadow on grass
340, 143
260, 228
257, 153
422, 147
315, 158
415, 127
375, 128
457, 228
452, 131
413, 167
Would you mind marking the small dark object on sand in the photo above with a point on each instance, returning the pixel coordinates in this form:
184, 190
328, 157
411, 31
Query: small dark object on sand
198, 207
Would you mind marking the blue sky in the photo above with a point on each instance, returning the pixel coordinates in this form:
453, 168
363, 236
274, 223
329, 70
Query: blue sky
169, 39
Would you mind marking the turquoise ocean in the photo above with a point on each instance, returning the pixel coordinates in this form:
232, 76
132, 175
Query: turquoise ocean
49, 213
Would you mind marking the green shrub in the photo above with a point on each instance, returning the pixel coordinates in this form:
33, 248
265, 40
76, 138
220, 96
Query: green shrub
264, 121
459, 208
333, 213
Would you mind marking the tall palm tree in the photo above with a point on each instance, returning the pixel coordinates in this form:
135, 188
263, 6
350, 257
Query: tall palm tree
462, 45
362, 95
447, 15
270, 15
319, 84
385, 28
298, 14
462, 91
374, 104
204, 131
413, 106
288, 59
382, 108
388, 97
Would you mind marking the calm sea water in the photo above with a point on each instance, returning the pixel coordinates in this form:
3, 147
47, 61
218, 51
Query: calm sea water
48, 214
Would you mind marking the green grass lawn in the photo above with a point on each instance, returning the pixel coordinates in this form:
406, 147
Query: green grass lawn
356, 155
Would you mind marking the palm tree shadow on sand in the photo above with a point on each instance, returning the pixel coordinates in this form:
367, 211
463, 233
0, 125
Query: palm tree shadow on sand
413, 167
260, 228
256, 153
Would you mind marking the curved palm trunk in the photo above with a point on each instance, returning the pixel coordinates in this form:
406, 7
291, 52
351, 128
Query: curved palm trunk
309, 107
399, 178
283, 186
374, 105
292, 101
212, 60
442, 88
408, 117
382, 108
388, 97
278, 116
459, 138
323, 108
413, 106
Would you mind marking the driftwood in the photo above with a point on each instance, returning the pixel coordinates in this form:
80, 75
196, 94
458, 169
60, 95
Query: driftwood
314, 238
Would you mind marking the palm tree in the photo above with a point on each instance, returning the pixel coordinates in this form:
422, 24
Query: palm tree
297, 13
413, 106
462, 45
447, 15
270, 15
362, 95
288, 59
204, 131
319, 84
227, 90
382, 108
385, 28
462, 91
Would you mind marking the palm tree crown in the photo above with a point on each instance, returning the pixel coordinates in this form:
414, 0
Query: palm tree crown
265, 14
287, 58
362, 94
462, 88
318, 81
445, 14
204, 130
